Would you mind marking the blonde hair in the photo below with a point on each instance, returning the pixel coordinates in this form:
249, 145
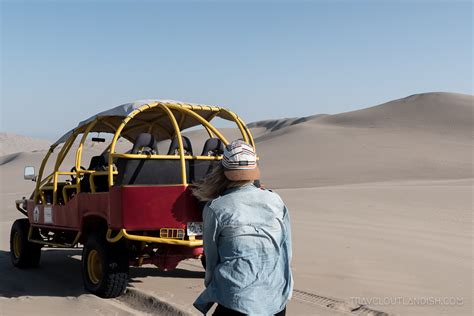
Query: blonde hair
214, 184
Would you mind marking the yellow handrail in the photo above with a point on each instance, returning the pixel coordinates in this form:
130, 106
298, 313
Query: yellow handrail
176, 157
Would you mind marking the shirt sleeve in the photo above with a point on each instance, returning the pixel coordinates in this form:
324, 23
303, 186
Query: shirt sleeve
287, 225
210, 239
288, 251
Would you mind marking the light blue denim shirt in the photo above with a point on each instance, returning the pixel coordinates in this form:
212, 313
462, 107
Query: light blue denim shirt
247, 243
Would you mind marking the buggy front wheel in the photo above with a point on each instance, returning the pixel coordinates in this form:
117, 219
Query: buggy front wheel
23, 253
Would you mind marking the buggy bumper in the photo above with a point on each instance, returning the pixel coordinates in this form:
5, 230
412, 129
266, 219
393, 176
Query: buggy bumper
170, 241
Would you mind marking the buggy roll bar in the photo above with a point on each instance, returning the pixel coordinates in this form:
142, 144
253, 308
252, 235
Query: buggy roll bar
168, 108
185, 109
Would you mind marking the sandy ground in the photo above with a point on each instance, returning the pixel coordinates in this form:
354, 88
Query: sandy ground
56, 288
373, 241
381, 209
385, 240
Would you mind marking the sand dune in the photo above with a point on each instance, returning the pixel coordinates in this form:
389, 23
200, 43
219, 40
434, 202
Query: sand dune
439, 113
380, 199
426, 136
276, 124
13, 143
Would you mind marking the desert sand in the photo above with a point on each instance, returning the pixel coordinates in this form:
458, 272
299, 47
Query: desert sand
381, 207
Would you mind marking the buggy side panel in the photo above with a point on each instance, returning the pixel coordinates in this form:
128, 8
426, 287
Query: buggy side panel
69, 216
152, 207
136, 207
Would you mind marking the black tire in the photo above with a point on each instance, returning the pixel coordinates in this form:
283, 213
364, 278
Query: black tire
23, 254
111, 278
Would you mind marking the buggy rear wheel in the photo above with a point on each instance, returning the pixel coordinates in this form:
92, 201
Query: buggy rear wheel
104, 267
23, 253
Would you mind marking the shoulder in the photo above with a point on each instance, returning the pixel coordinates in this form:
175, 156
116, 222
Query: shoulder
270, 194
208, 211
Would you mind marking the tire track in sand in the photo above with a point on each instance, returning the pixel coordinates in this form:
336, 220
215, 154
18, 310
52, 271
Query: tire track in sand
334, 304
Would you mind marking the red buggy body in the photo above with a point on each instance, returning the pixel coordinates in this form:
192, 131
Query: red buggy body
127, 209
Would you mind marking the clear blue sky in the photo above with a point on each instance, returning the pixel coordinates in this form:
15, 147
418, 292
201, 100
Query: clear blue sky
63, 61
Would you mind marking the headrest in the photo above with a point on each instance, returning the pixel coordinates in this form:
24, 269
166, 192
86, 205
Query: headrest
188, 148
97, 163
145, 143
213, 147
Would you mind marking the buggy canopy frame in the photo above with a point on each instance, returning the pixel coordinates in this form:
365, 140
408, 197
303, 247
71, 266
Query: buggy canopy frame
164, 119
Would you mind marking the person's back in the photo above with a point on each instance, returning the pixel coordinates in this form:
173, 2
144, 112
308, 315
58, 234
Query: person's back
247, 242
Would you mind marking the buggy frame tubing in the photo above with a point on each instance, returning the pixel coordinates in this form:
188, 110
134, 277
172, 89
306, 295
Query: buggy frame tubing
79, 153
247, 131
59, 160
151, 126
132, 115
40, 174
185, 110
239, 125
177, 132
89, 127
150, 239
200, 119
63, 152
187, 157
53, 244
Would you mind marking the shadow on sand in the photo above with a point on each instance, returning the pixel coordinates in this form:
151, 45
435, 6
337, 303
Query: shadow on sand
59, 274
152, 271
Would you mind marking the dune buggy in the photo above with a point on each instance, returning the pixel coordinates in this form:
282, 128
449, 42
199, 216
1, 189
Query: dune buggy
126, 208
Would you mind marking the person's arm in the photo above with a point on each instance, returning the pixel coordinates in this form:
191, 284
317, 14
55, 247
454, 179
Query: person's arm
287, 225
288, 250
210, 239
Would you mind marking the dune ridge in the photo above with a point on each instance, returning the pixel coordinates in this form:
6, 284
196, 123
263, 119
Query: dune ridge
13, 143
424, 136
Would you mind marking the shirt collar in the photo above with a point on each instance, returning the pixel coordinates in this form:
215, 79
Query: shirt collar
243, 187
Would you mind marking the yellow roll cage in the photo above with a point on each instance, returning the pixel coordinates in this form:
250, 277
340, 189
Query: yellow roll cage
189, 115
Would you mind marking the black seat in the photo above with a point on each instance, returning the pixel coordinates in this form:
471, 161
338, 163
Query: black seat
213, 147
147, 171
145, 144
150, 171
174, 146
98, 163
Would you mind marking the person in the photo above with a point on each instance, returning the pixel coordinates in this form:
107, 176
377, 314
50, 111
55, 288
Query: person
247, 239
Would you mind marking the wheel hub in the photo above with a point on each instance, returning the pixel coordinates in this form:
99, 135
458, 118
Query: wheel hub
94, 267
16, 244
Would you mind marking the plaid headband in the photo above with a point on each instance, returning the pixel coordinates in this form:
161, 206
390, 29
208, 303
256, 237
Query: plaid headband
239, 155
